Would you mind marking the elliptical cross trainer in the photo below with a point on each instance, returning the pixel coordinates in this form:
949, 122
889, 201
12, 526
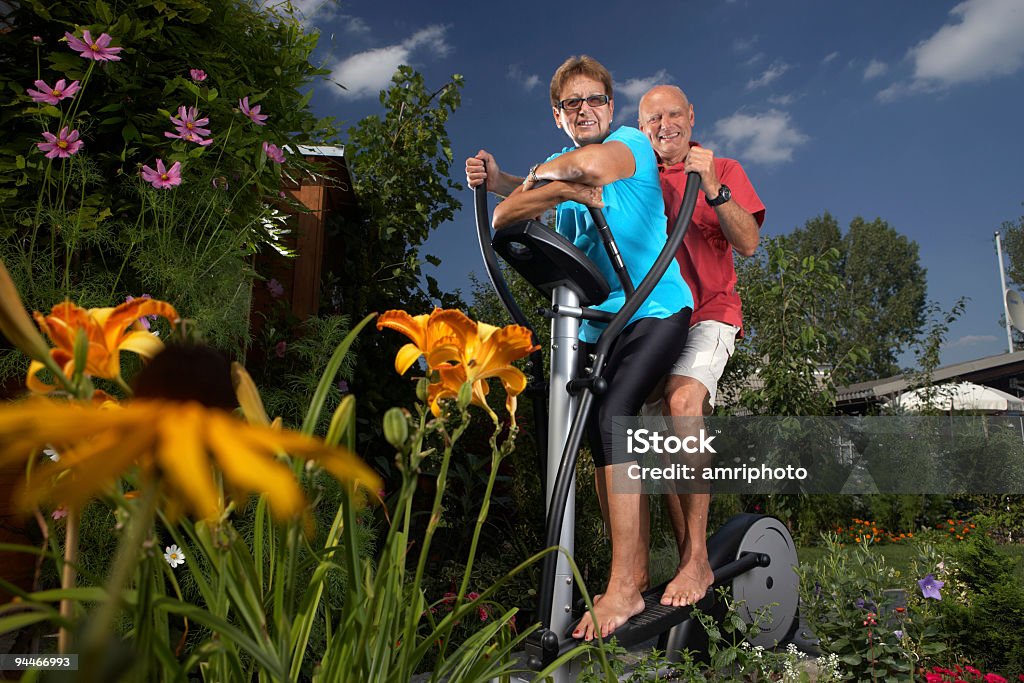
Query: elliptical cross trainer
753, 555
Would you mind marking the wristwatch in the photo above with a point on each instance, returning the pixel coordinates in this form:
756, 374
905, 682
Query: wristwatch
724, 195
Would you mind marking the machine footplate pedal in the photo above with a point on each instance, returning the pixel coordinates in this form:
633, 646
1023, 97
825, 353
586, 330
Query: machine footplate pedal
654, 620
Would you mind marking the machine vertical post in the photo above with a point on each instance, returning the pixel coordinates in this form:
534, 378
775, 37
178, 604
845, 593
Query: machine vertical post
561, 407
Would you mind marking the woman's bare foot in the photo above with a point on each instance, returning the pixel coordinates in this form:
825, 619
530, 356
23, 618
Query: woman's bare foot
611, 610
690, 584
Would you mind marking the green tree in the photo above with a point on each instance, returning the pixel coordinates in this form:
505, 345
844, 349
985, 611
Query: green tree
787, 364
1013, 244
400, 161
882, 305
400, 164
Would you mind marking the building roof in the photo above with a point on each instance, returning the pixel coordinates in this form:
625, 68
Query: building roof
1001, 372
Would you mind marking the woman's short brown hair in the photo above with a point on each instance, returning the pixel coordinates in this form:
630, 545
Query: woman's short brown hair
582, 65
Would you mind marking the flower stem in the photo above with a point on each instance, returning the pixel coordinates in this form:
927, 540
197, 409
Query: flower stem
141, 521
68, 576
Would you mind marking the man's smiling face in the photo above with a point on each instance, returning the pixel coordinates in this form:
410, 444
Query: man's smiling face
666, 117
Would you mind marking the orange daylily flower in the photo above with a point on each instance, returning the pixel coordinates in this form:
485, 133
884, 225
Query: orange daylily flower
109, 331
426, 332
462, 350
179, 443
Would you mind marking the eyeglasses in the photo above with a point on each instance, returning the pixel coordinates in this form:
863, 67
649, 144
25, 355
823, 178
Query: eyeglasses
574, 103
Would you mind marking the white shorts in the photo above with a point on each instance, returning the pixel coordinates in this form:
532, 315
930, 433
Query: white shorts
709, 346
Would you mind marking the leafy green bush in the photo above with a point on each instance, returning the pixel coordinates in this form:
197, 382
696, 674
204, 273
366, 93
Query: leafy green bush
985, 623
877, 621
85, 225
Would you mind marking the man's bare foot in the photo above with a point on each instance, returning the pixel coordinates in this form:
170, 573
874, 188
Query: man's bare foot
612, 610
690, 584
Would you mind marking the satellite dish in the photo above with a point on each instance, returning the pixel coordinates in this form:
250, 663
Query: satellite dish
1015, 307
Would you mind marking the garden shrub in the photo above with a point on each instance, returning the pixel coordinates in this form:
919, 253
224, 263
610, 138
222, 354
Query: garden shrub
986, 623
849, 601
87, 227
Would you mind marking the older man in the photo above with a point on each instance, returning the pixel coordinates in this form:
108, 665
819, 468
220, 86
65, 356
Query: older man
728, 217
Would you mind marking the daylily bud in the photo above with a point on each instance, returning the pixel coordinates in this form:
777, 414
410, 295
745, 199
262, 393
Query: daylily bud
396, 427
465, 395
15, 323
421, 389
342, 421
248, 396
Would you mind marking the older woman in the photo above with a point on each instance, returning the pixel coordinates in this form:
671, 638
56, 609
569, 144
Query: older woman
616, 171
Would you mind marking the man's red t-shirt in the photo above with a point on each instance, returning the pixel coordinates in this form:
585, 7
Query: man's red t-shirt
705, 257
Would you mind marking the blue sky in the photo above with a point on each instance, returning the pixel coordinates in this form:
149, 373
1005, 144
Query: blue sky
910, 111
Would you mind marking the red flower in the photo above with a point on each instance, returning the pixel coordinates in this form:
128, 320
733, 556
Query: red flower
994, 678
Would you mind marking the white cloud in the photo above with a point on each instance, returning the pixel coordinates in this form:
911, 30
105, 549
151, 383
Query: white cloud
782, 100
894, 91
875, 69
829, 57
983, 42
771, 74
628, 94
767, 138
356, 26
367, 73
754, 59
310, 11
971, 340
527, 81
744, 45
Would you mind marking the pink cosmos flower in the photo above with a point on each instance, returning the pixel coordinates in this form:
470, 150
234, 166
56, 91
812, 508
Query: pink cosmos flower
198, 75
252, 112
144, 320
188, 121
98, 50
161, 178
60, 513
189, 136
38, 40
53, 95
63, 145
280, 349
273, 152
275, 288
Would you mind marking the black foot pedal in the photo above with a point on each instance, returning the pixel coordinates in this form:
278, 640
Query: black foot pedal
654, 620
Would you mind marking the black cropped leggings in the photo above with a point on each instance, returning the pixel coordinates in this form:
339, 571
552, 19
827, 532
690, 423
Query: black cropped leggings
640, 358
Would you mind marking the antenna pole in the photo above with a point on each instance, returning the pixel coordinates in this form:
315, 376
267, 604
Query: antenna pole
1002, 281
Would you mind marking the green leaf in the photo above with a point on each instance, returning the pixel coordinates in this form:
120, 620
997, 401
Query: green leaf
20, 621
103, 12
129, 132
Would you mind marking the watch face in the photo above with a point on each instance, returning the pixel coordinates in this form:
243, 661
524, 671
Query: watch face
724, 195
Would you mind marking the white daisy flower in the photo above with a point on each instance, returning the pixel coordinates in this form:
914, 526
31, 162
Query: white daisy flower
174, 556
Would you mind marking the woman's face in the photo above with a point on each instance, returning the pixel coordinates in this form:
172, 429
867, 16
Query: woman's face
588, 124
